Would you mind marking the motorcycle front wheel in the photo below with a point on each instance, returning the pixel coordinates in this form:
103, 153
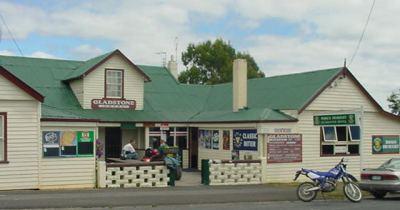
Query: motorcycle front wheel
303, 193
352, 192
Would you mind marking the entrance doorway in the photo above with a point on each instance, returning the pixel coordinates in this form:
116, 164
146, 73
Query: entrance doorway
193, 147
113, 144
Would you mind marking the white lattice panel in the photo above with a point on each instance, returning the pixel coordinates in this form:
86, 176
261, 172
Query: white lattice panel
234, 173
139, 176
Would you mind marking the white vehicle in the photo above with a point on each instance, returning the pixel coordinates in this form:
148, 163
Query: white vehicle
382, 180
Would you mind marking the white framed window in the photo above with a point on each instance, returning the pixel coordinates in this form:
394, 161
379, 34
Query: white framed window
3, 140
114, 83
340, 140
355, 133
329, 133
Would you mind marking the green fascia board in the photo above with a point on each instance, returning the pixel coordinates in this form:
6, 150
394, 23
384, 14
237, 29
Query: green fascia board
166, 100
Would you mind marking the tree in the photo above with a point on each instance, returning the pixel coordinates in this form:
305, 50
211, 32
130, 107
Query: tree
394, 102
211, 63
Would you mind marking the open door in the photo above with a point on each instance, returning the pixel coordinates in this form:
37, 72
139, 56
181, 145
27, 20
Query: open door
113, 145
193, 147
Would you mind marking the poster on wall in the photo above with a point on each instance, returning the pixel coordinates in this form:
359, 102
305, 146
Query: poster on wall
51, 143
215, 139
68, 143
207, 137
284, 148
226, 140
245, 139
85, 143
385, 144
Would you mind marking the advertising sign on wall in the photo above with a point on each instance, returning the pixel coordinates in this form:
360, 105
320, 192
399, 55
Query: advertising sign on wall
113, 103
385, 144
337, 119
67, 143
206, 138
284, 148
245, 139
226, 140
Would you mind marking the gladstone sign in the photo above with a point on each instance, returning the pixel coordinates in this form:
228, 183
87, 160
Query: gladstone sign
385, 144
112, 103
284, 148
245, 139
338, 119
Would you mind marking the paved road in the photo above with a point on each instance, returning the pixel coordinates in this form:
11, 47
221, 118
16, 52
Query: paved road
281, 205
200, 197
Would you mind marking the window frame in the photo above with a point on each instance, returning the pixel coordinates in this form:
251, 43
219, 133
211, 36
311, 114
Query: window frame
3, 116
323, 134
336, 142
351, 134
122, 84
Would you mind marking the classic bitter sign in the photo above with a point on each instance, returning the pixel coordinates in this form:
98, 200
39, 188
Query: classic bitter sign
113, 104
284, 148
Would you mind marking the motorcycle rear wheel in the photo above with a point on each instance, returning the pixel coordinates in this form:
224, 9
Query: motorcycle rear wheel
305, 195
352, 192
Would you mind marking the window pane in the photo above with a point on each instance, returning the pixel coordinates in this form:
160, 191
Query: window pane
353, 148
342, 134
114, 83
355, 132
1, 127
327, 149
181, 128
155, 141
182, 142
329, 134
1, 138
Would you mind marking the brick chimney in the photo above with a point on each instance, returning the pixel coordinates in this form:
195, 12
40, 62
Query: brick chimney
173, 67
239, 83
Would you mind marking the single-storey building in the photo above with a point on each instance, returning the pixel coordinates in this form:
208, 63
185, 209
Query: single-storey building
56, 114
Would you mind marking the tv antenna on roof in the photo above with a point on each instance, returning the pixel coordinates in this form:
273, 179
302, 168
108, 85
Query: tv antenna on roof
163, 58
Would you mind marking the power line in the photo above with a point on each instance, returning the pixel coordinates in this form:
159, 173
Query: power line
11, 34
362, 34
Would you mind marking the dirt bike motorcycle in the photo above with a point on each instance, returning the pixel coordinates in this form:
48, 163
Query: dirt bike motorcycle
326, 182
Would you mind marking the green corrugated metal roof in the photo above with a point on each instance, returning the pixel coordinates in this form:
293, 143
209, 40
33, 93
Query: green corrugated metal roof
165, 100
82, 69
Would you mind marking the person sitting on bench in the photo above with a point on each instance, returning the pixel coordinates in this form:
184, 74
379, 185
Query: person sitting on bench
128, 151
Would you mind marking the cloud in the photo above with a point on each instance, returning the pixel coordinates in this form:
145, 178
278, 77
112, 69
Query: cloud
326, 32
86, 51
7, 52
40, 54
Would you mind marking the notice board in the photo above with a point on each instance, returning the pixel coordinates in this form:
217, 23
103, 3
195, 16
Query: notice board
284, 148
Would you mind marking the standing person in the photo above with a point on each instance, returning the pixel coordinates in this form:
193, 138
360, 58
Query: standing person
163, 147
128, 151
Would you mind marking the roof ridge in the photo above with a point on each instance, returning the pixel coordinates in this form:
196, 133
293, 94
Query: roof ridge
297, 73
27, 57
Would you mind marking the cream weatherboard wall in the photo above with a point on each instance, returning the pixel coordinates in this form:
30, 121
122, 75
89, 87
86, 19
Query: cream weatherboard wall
23, 126
77, 88
343, 96
93, 83
68, 172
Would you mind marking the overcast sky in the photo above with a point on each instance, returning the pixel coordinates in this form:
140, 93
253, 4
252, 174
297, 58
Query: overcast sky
284, 36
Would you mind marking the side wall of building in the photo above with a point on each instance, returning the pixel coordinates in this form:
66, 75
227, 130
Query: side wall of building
93, 83
68, 172
77, 88
343, 96
23, 120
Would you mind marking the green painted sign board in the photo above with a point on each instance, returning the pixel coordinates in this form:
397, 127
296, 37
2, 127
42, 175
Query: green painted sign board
338, 119
85, 136
385, 144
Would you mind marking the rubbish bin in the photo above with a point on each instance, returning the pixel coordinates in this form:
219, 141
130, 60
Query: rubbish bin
205, 171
